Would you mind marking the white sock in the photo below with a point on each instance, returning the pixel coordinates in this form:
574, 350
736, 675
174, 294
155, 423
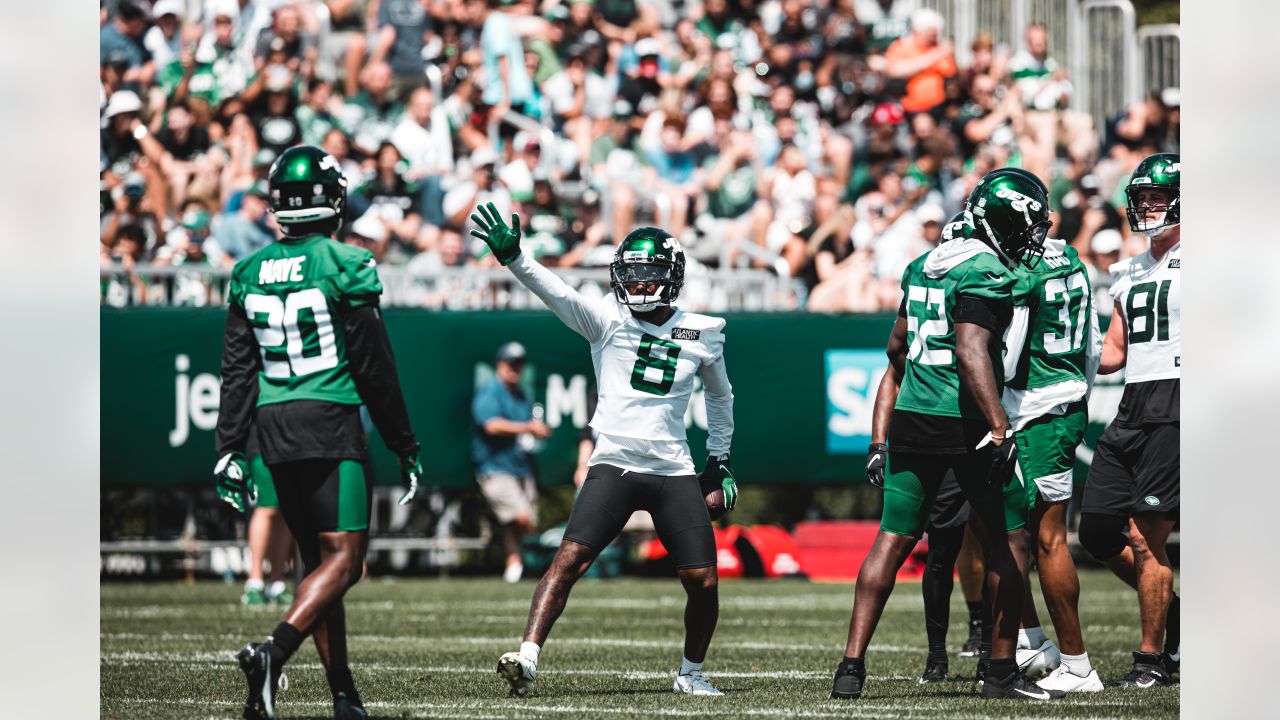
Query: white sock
253, 585
277, 587
1077, 665
529, 651
1031, 638
687, 667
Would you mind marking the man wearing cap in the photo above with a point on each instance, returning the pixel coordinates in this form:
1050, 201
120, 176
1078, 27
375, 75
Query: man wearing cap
120, 45
164, 39
244, 232
503, 431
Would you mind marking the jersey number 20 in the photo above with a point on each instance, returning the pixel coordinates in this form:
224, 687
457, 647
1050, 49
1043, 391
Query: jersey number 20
301, 323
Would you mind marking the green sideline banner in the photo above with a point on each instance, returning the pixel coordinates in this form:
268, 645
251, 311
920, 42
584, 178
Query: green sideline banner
803, 390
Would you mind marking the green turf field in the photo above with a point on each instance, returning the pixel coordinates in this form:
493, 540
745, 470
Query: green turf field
428, 648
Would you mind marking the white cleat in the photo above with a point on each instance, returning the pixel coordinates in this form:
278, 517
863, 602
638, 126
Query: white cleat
513, 573
518, 672
1036, 663
695, 683
1062, 679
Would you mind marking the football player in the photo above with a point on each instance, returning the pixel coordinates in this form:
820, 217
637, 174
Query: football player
304, 347
939, 410
1135, 475
646, 353
1052, 350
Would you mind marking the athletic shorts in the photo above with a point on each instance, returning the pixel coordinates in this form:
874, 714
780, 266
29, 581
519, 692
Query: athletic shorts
510, 496
262, 479
1047, 452
913, 480
322, 495
610, 494
1135, 470
950, 506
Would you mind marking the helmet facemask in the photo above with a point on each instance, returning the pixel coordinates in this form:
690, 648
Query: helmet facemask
643, 286
1140, 205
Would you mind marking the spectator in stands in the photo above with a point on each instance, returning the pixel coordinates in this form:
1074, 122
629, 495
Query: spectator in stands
272, 99
678, 177
216, 71
504, 429
483, 187
734, 212
164, 39
923, 61
120, 46
318, 113
988, 118
133, 207
240, 234
372, 115
618, 168
286, 36
393, 199
507, 85
1046, 91
401, 37
336, 144
884, 21
423, 137
186, 144
791, 190
580, 100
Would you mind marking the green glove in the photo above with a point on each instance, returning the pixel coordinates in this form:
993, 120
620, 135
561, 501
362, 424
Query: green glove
502, 240
718, 473
235, 484
410, 473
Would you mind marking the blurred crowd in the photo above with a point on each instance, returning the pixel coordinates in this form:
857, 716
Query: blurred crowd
826, 141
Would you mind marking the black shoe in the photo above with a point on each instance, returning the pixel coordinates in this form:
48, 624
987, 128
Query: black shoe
1171, 663
971, 647
935, 671
1017, 687
263, 678
1173, 628
348, 708
980, 675
1148, 671
848, 683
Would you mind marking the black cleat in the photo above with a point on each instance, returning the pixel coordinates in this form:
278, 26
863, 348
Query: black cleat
971, 647
263, 677
980, 674
935, 671
1172, 655
1017, 687
1171, 663
848, 683
348, 708
1148, 671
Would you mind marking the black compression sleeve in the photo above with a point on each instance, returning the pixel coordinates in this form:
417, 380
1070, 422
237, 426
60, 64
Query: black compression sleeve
985, 312
240, 364
374, 370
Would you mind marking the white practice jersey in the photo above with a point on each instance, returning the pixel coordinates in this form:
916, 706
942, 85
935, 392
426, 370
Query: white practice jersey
644, 376
1149, 295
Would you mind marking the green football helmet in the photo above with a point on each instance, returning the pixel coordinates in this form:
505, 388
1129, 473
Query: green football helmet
1012, 212
1161, 171
308, 191
647, 269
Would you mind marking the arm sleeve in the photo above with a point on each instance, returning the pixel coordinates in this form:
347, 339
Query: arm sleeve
240, 365
373, 368
718, 395
585, 317
985, 295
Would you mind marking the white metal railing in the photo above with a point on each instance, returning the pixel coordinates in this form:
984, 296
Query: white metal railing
1105, 61
465, 288
1159, 49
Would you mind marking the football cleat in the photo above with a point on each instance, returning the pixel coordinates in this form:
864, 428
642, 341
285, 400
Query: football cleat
971, 647
1036, 663
253, 597
1147, 672
848, 683
935, 671
1017, 687
1171, 661
263, 678
980, 674
695, 683
519, 673
348, 708
1064, 680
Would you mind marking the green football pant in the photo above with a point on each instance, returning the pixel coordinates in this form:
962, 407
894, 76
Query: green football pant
912, 480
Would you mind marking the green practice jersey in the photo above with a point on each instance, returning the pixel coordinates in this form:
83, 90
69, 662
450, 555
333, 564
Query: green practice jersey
931, 382
295, 294
1059, 305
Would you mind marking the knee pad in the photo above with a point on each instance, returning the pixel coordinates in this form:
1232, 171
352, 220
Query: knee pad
1103, 535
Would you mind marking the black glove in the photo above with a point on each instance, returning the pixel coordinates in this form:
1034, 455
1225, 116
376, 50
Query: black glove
877, 456
1004, 458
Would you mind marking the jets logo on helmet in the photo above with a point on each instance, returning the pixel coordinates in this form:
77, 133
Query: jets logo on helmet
1153, 194
647, 269
308, 191
1010, 208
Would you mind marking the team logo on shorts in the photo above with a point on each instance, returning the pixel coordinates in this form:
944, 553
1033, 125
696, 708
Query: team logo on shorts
1151, 500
